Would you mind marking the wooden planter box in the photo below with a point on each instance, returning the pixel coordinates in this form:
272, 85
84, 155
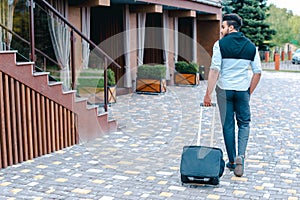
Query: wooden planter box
96, 95
112, 94
186, 79
151, 86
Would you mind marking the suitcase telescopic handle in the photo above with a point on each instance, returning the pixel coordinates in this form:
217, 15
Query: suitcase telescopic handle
212, 124
213, 105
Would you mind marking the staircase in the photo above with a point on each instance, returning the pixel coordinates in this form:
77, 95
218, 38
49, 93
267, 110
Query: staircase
63, 115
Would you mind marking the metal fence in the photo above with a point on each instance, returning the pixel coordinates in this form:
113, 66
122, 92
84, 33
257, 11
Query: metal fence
284, 65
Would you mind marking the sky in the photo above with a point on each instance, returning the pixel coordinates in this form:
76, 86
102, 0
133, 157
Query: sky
293, 5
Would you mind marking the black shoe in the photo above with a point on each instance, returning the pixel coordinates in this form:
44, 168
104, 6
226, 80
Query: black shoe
230, 166
239, 169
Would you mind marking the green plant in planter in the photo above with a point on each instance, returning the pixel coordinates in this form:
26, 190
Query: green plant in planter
186, 68
181, 66
151, 72
111, 80
151, 79
194, 68
111, 83
91, 85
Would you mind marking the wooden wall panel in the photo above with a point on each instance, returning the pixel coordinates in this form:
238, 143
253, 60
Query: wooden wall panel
43, 124
8, 120
24, 122
19, 122
39, 127
61, 126
34, 124
56, 125
14, 122
48, 133
75, 137
66, 128
2, 125
52, 125
31, 125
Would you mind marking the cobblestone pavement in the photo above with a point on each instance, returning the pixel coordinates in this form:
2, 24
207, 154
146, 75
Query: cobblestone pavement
141, 160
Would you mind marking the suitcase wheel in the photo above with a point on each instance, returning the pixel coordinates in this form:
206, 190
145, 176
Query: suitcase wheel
184, 179
215, 181
211, 181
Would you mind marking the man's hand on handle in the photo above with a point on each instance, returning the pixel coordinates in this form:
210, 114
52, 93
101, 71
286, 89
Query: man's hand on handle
211, 83
207, 100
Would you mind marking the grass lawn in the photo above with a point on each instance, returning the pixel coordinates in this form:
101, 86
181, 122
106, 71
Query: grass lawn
91, 78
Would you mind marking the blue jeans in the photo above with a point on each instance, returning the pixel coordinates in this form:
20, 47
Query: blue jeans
234, 106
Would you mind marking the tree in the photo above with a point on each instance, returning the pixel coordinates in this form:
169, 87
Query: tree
286, 25
227, 8
254, 14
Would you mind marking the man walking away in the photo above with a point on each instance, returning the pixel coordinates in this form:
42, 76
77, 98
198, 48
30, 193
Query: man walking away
232, 56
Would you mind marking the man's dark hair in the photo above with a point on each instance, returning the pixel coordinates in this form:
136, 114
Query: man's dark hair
233, 20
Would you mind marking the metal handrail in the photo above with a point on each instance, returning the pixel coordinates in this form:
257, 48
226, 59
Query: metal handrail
79, 32
31, 43
98, 50
27, 42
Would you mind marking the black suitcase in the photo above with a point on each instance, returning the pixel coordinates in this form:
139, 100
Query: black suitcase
202, 164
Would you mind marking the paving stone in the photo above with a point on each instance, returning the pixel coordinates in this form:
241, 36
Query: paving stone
142, 159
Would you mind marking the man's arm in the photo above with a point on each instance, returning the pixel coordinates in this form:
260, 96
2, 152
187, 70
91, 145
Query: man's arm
254, 81
257, 70
212, 80
215, 67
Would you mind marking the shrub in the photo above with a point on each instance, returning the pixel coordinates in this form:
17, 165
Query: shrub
151, 72
194, 68
186, 68
111, 80
181, 66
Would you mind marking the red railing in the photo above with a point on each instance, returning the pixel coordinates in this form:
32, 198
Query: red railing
98, 51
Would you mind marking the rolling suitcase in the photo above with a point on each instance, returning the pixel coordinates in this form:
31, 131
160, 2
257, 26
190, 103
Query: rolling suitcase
202, 164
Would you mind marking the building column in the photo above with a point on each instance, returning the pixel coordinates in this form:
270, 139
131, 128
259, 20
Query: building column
208, 32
